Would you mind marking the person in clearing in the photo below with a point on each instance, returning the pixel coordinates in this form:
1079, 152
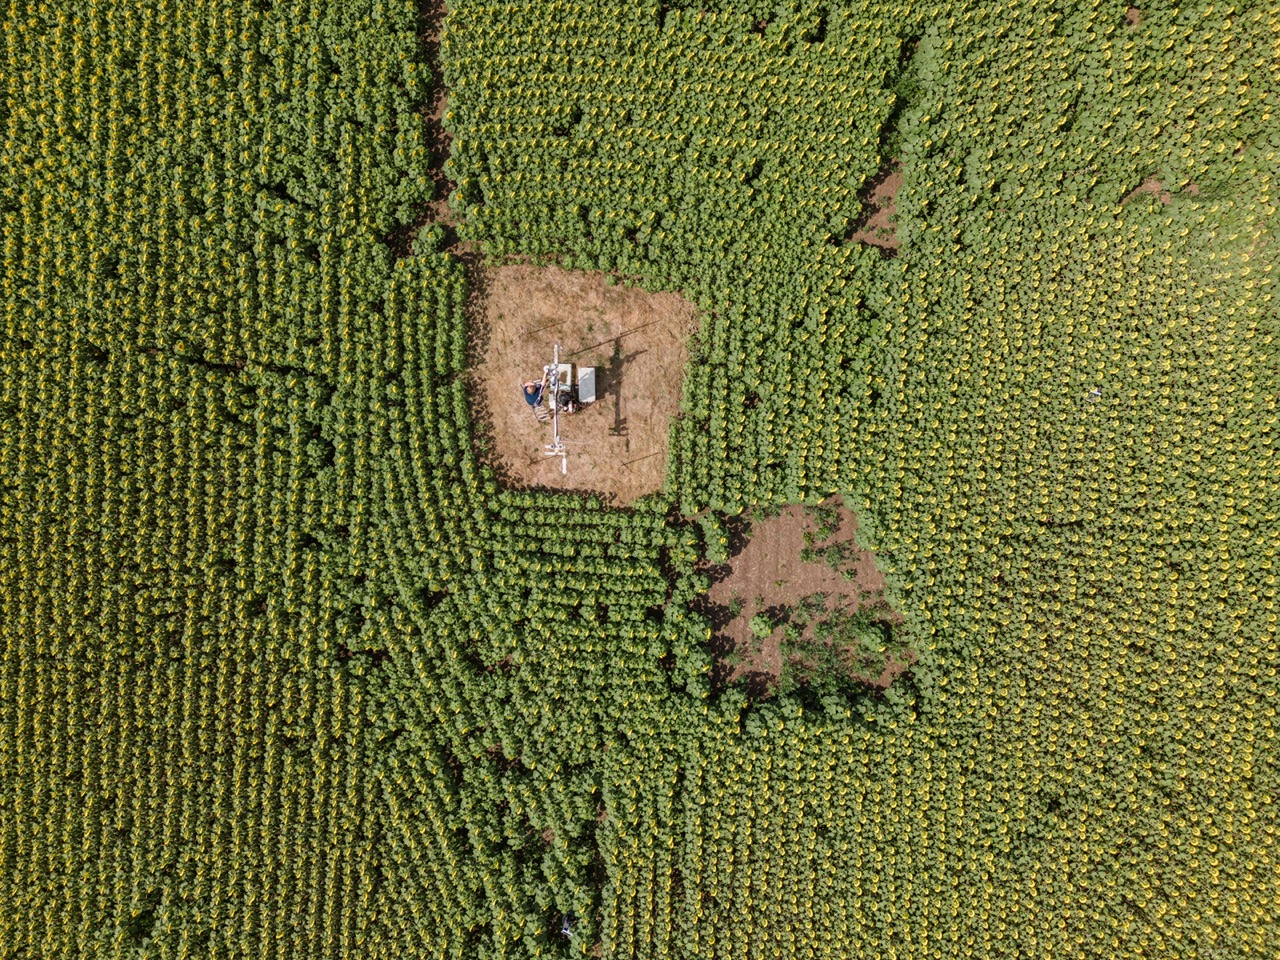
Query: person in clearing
534, 389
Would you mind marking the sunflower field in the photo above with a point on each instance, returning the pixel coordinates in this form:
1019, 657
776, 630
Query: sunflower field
288, 672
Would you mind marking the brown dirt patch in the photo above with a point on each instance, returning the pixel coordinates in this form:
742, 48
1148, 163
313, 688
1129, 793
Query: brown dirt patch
1134, 16
876, 226
768, 573
635, 340
438, 140
1153, 186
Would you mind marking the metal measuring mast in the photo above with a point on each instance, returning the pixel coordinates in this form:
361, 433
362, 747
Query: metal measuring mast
556, 448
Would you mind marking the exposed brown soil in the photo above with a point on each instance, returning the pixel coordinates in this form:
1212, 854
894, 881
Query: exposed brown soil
635, 340
876, 225
438, 140
1134, 16
1153, 186
766, 573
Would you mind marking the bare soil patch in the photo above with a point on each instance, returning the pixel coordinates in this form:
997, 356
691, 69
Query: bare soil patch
784, 567
876, 226
635, 340
1153, 186
436, 211
1133, 16
439, 143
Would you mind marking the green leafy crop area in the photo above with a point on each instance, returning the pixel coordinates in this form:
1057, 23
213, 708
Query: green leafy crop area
285, 672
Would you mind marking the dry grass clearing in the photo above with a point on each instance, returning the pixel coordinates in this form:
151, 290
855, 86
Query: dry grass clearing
635, 340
